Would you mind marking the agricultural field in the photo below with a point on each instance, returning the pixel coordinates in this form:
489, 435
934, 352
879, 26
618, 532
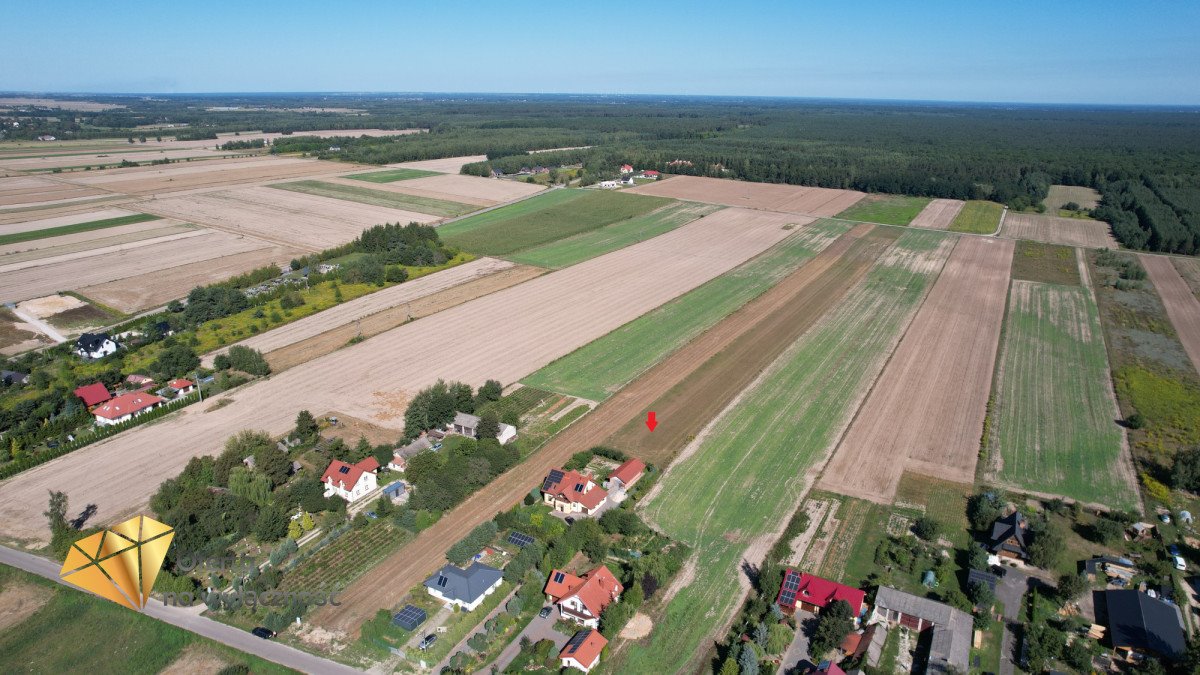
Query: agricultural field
1068, 231
17, 336
977, 217
1048, 263
543, 219
19, 192
1182, 306
1189, 269
886, 209
31, 231
1085, 197
769, 196
94, 241
604, 366
925, 413
391, 200
391, 175
738, 483
78, 161
443, 165
155, 180
468, 189
1053, 359
587, 245
938, 214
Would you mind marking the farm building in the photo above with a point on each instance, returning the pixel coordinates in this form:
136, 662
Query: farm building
464, 588
468, 425
400, 456
1007, 539
950, 647
572, 492
810, 593
623, 477
93, 394
139, 381
1140, 625
507, 434
582, 651
125, 407
350, 481
867, 641
608, 184
95, 345
829, 668
652, 175
583, 599
181, 387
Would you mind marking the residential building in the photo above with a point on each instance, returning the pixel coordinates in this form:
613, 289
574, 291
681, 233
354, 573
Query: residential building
582, 651
93, 394
950, 644
464, 424
652, 175
350, 481
11, 377
811, 593
465, 588
139, 381
1140, 626
829, 668
181, 387
1008, 538
626, 168
95, 345
572, 492
608, 184
401, 455
583, 599
981, 577
125, 407
623, 477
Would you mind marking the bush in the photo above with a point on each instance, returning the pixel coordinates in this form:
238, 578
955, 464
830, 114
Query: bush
463, 550
247, 360
926, 528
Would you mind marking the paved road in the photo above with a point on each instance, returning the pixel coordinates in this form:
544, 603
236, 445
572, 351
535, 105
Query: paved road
188, 619
1009, 591
538, 629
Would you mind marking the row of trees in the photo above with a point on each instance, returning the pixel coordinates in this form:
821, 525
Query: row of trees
1142, 219
434, 406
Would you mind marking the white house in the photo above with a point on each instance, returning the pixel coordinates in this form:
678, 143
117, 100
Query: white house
572, 492
583, 599
583, 650
125, 407
95, 345
350, 481
608, 184
465, 588
181, 387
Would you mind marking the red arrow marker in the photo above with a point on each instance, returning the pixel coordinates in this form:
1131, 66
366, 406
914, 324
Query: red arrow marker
651, 422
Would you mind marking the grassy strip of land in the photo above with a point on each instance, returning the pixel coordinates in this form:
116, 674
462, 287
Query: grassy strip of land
391, 200
745, 479
977, 217
886, 209
1048, 263
78, 632
392, 175
549, 217
1054, 428
587, 245
32, 235
598, 369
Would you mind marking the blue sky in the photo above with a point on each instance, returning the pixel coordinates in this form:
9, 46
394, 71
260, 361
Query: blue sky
1049, 51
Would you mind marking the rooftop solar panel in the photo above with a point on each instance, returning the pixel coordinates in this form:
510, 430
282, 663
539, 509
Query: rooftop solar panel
558, 577
520, 539
553, 477
577, 640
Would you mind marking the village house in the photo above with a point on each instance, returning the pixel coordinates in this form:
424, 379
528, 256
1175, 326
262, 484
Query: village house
626, 168
950, 644
582, 651
125, 407
401, 455
95, 345
652, 175
181, 387
1141, 626
829, 668
1140, 532
465, 424
464, 588
608, 184
571, 492
623, 477
93, 394
583, 599
810, 593
141, 382
1008, 537
350, 481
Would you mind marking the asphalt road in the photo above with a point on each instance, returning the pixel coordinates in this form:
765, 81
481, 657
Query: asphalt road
189, 620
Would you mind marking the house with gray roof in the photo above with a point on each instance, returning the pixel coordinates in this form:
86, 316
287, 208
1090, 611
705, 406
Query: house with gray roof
1140, 625
950, 646
1008, 538
465, 588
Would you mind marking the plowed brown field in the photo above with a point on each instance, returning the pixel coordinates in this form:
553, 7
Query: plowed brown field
1053, 230
23, 191
210, 173
938, 214
770, 196
444, 165
925, 413
1182, 307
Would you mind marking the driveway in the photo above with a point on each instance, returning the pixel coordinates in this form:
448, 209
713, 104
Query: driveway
796, 657
538, 629
1009, 591
462, 644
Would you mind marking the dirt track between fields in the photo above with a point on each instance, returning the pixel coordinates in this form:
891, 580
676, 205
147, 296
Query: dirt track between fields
1182, 307
938, 214
925, 413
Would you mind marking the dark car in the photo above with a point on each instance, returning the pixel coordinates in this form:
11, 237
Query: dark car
264, 633
545, 611
570, 520
427, 641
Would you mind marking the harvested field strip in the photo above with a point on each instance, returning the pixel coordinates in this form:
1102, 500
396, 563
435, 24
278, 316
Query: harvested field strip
1059, 195
977, 217
543, 219
443, 165
405, 190
1054, 424
1047, 263
938, 214
925, 413
1189, 269
587, 245
19, 237
770, 196
89, 241
391, 175
602, 367
742, 480
886, 209
391, 200
470, 189
1069, 231
1182, 307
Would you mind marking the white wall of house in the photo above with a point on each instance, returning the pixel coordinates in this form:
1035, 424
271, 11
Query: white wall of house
570, 662
366, 484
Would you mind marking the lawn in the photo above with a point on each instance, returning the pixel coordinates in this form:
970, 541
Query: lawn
79, 633
598, 369
548, 217
392, 175
1053, 415
587, 245
977, 217
391, 200
33, 235
746, 478
886, 209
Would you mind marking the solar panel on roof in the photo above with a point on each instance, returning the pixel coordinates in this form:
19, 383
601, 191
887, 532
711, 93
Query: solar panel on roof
343, 469
552, 478
410, 617
520, 539
578, 639
441, 582
558, 577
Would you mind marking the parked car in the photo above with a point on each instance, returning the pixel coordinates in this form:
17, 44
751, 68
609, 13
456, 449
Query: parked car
263, 632
545, 611
1180, 564
372, 515
1173, 549
427, 641
570, 520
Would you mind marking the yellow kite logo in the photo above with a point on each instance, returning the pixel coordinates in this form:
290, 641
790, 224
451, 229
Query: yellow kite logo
121, 562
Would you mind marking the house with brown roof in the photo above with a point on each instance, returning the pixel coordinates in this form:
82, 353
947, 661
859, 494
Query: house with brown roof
623, 477
582, 651
583, 599
181, 387
125, 407
572, 492
350, 481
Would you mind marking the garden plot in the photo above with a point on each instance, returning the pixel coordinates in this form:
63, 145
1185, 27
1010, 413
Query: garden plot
1053, 426
1182, 307
770, 196
444, 165
1052, 230
938, 214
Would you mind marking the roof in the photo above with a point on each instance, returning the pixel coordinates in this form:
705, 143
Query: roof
340, 471
651, 172
585, 646
986, 578
829, 668
415, 448
91, 341
952, 633
394, 488
596, 589
93, 394
463, 419
139, 379
126, 404
571, 486
1012, 526
466, 585
814, 590
11, 376
1144, 623
180, 383
629, 471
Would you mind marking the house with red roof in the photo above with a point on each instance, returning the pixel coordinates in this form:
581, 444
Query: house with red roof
181, 387
350, 481
572, 492
93, 394
125, 407
623, 477
583, 599
811, 593
651, 174
626, 168
583, 650
829, 668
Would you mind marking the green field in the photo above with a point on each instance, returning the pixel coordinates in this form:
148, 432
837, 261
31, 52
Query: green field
392, 200
392, 175
33, 235
587, 245
746, 478
75, 632
977, 217
1053, 426
886, 209
598, 369
548, 217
